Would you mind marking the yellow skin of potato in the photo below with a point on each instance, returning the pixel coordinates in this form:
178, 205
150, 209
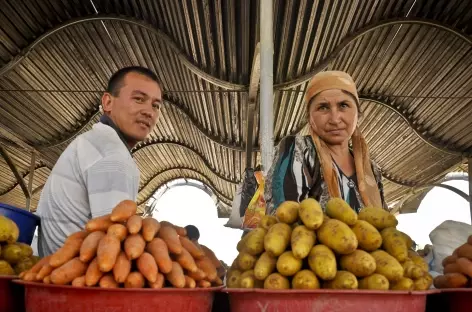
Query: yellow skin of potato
267, 221
423, 283
387, 265
276, 281
419, 261
367, 235
407, 239
242, 243
379, 218
287, 212
288, 265
374, 282
248, 280
336, 208
404, 283
303, 239
322, 261
277, 239
343, 280
394, 244
255, 242
233, 278
9, 231
337, 236
265, 265
311, 214
412, 270
12, 253
305, 279
246, 261
359, 263
5, 268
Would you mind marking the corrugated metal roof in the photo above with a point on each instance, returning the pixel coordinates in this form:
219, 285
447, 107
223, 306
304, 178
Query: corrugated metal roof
411, 59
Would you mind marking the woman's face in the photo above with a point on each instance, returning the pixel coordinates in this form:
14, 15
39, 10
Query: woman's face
333, 116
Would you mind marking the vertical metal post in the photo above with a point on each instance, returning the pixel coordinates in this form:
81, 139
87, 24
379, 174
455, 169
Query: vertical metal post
30, 180
267, 83
469, 165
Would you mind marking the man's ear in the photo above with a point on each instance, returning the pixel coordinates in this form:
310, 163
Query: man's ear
107, 102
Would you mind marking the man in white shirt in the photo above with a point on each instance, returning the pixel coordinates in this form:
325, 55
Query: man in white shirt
97, 171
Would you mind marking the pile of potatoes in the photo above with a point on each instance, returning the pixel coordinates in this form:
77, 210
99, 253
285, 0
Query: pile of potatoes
457, 268
122, 249
303, 248
15, 257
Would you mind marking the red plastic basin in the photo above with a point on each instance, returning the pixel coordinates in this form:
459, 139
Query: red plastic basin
325, 300
458, 299
47, 298
11, 295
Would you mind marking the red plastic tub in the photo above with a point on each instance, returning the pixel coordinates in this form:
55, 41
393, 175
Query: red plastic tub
55, 298
11, 295
325, 300
457, 300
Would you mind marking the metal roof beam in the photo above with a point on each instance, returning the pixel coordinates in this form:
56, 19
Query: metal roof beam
251, 103
19, 178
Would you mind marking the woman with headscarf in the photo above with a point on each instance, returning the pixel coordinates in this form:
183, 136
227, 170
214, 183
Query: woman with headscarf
333, 161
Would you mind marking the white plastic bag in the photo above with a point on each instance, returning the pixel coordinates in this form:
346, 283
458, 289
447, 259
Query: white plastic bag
235, 219
446, 237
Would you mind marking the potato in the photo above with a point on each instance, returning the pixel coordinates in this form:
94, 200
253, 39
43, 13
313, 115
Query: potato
232, 278
374, 282
419, 261
287, 212
305, 279
343, 280
367, 235
9, 231
337, 208
288, 265
242, 243
246, 261
323, 262
407, 239
12, 253
276, 281
255, 241
277, 239
394, 244
265, 265
337, 236
412, 270
267, 221
404, 283
311, 214
378, 217
302, 241
423, 283
387, 265
248, 280
359, 263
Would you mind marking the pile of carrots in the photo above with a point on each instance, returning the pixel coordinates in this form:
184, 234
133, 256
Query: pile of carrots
457, 268
122, 249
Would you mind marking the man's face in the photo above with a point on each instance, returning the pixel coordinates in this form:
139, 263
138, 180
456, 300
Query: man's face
135, 108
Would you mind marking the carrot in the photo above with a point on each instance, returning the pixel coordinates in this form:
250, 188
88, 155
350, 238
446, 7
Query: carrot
190, 282
198, 275
65, 253
45, 271
37, 267
134, 246
465, 266
191, 247
166, 223
452, 268
207, 266
134, 280
218, 282
118, 230
108, 250
66, 273
211, 255
147, 266
93, 273
99, 224
88, 250
204, 284
158, 249
122, 268
30, 276
448, 260
186, 261
79, 281
107, 281
123, 211
47, 279
80, 235
176, 277
450, 280
134, 224
170, 236
150, 228
159, 283
22, 274
464, 251
180, 230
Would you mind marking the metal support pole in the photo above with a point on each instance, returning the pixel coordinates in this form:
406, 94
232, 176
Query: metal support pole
18, 177
30, 181
267, 83
469, 165
251, 103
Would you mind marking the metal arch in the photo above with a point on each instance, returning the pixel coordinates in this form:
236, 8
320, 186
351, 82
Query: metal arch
186, 112
105, 17
208, 183
190, 148
361, 32
9, 189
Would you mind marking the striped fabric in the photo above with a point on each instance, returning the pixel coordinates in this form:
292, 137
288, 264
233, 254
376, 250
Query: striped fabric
94, 173
296, 174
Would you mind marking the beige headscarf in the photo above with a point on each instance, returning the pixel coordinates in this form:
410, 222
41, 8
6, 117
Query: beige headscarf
366, 182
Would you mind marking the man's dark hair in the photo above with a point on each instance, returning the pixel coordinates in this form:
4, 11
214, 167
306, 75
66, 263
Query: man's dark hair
117, 79
192, 232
